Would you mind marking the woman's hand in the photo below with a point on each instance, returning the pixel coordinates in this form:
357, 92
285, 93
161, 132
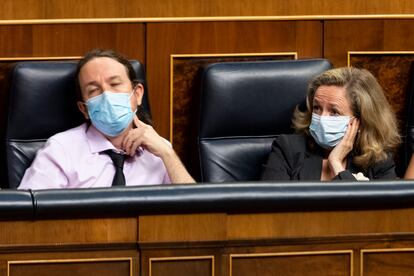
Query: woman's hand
145, 136
338, 155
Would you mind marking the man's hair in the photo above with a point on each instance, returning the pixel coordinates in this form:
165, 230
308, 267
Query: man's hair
99, 53
378, 133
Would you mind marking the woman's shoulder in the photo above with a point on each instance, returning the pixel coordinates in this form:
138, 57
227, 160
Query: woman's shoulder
290, 144
289, 140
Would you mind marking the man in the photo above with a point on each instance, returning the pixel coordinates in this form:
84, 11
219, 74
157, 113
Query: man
114, 146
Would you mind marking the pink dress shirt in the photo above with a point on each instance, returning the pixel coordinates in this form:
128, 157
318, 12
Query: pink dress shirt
75, 159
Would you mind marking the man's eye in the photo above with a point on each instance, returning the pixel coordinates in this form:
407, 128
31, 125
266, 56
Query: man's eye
116, 84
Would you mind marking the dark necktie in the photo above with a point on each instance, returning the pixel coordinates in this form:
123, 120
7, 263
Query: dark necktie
118, 160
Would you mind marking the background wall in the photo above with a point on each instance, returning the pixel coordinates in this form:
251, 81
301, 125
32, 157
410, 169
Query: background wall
176, 39
58, 9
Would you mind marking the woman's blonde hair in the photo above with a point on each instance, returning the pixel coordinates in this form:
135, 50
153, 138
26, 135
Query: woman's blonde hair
378, 133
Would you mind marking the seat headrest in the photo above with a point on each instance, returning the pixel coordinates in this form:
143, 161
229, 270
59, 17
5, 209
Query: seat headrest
254, 98
42, 100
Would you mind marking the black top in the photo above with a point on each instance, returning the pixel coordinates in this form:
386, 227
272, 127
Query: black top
291, 159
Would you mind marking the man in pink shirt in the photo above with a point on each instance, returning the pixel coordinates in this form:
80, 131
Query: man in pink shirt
82, 157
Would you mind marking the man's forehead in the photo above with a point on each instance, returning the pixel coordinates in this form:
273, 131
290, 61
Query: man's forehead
104, 67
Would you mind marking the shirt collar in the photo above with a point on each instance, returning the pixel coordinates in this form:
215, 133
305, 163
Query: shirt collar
97, 141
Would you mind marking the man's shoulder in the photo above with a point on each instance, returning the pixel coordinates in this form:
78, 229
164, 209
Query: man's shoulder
71, 136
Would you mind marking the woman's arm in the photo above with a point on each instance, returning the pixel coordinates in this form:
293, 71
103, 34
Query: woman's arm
409, 173
283, 159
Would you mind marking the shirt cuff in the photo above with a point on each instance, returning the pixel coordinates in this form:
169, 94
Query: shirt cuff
344, 175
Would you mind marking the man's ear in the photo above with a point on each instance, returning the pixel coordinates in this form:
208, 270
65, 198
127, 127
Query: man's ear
139, 93
84, 109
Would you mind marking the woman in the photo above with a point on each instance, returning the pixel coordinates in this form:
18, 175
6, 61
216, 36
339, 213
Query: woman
348, 132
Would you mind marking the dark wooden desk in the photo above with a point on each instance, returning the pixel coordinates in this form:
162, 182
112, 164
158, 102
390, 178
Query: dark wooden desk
376, 242
238, 229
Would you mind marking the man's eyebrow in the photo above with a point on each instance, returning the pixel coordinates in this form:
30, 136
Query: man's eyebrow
116, 77
95, 83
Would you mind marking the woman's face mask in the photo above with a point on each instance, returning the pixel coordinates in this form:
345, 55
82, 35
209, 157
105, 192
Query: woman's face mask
328, 131
110, 112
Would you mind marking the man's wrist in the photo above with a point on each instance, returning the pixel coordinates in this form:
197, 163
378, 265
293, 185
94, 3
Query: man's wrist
167, 153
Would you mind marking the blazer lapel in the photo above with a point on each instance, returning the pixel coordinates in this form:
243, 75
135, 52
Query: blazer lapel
312, 167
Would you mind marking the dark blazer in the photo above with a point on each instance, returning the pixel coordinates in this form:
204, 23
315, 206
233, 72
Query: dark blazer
291, 159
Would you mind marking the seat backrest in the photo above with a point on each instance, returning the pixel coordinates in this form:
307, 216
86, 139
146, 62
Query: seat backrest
42, 102
408, 146
244, 106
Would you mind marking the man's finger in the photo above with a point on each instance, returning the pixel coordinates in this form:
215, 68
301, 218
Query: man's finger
138, 122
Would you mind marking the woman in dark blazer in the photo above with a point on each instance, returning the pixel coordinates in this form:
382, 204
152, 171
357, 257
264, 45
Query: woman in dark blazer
348, 132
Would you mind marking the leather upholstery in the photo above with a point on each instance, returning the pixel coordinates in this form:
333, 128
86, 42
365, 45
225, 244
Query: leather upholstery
42, 103
250, 197
244, 106
15, 205
408, 145
247, 197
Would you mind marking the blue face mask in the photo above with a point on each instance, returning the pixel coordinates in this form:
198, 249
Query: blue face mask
110, 112
328, 131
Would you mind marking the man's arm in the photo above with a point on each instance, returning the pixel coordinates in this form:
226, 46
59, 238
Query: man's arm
175, 168
145, 136
47, 169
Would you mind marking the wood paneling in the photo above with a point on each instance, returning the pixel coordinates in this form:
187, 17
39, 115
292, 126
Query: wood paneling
275, 243
164, 40
388, 263
75, 267
308, 224
394, 73
293, 264
59, 40
170, 228
123, 230
51, 9
341, 36
180, 266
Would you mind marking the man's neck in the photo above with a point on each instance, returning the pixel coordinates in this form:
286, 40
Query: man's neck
117, 141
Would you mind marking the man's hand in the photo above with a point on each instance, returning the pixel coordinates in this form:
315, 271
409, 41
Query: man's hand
145, 136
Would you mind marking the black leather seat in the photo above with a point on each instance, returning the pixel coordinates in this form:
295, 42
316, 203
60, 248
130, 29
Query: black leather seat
408, 145
244, 106
42, 103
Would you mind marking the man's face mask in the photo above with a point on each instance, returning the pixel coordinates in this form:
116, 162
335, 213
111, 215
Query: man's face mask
110, 112
328, 131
